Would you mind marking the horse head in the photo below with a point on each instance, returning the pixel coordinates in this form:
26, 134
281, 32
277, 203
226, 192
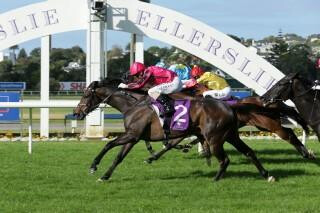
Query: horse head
94, 94
280, 91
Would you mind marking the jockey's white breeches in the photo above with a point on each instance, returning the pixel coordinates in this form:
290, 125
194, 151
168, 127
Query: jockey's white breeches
166, 88
219, 94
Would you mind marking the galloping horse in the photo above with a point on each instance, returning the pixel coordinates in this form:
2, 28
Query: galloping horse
263, 119
210, 120
304, 95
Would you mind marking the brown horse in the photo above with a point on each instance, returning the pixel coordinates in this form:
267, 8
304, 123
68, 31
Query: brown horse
263, 119
210, 120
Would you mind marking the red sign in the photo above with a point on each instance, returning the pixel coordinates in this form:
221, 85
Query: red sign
72, 86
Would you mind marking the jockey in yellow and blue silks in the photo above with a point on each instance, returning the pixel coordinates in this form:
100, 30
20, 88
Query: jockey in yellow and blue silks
218, 86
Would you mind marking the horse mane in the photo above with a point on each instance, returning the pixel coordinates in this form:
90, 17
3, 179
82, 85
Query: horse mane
305, 81
113, 82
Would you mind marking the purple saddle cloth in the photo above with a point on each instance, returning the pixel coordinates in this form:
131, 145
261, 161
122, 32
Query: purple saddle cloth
232, 100
180, 119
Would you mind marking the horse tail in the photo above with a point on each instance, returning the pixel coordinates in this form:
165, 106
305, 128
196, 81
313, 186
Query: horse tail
245, 109
271, 112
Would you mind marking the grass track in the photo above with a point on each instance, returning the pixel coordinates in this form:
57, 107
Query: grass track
55, 179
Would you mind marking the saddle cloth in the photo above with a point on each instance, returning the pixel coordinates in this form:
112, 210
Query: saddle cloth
180, 119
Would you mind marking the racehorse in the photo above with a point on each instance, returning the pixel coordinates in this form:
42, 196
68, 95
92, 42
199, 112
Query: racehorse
262, 119
210, 120
303, 93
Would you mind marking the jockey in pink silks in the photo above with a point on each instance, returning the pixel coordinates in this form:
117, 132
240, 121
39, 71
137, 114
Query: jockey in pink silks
165, 82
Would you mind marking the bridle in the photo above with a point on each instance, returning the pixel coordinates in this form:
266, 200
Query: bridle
272, 100
105, 100
316, 83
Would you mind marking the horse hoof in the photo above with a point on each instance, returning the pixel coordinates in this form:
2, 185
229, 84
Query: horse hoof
271, 179
103, 179
148, 161
92, 170
100, 180
185, 150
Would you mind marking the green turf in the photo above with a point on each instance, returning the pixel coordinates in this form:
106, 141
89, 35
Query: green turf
55, 179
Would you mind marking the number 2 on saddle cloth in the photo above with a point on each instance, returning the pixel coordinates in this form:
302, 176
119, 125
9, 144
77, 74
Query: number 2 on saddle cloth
180, 118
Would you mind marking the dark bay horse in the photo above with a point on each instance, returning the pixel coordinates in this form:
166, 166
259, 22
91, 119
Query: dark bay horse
303, 94
261, 117
212, 121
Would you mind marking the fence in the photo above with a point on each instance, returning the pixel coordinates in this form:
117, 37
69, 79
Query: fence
39, 104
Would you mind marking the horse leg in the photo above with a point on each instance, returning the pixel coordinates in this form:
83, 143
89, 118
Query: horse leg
117, 142
149, 147
247, 151
185, 148
172, 143
119, 158
288, 135
222, 157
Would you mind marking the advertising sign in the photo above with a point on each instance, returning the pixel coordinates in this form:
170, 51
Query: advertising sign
9, 114
13, 86
72, 86
241, 94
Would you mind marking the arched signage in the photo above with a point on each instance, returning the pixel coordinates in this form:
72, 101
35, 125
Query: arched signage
41, 19
197, 38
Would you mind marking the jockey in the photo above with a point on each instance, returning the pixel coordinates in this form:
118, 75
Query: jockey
195, 73
182, 71
164, 82
218, 86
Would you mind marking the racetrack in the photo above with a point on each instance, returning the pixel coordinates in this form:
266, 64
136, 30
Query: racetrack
55, 179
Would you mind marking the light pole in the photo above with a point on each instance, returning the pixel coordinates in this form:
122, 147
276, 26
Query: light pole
137, 46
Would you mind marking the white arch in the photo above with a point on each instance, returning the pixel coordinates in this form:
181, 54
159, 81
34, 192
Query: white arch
197, 38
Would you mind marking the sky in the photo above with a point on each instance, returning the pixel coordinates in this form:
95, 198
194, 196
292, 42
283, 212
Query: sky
255, 19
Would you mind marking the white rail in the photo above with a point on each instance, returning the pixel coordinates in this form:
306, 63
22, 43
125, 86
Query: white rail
38, 104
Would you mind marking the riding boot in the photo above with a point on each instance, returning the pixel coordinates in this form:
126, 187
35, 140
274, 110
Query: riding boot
167, 104
168, 108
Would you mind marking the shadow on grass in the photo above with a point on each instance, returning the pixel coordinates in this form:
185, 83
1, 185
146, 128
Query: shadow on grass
259, 152
278, 161
285, 156
277, 173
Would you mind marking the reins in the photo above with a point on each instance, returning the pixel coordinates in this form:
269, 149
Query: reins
314, 102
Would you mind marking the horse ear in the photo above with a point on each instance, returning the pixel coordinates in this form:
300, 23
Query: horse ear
95, 84
291, 76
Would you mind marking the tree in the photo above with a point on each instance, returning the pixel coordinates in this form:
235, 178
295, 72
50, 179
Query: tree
115, 52
35, 53
299, 60
5, 69
278, 53
22, 54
